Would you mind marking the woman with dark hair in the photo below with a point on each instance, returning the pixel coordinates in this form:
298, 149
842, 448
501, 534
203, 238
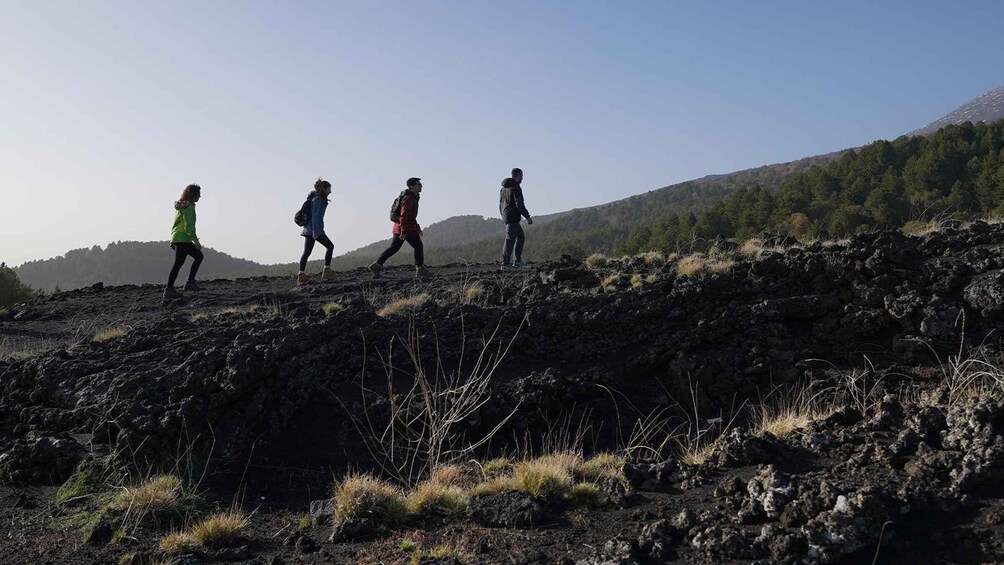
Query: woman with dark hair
314, 231
184, 241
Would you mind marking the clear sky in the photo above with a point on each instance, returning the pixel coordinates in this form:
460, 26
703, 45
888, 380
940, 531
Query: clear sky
108, 109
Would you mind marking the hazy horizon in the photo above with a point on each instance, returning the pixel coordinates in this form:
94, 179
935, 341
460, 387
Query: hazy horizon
111, 108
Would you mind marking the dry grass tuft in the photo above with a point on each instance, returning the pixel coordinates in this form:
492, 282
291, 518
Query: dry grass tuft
597, 261
3, 313
651, 279
610, 283
156, 494
330, 308
494, 485
920, 228
652, 258
177, 543
586, 494
690, 265
435, 497
549, 476
366, 494
109, 334
720, 267
474, 292
496, 467
220, 529
403, 305
199, 317
601, 466
636, 281
696, 454
449, 476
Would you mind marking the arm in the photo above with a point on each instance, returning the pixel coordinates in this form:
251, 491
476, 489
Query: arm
409, 217
317, 217
188, 213
519, 203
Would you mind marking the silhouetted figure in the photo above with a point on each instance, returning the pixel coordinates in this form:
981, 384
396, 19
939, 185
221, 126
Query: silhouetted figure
184, 240
512, 209
314, 231
404, 214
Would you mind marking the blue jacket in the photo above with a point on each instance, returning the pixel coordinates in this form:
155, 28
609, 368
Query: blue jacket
316, 226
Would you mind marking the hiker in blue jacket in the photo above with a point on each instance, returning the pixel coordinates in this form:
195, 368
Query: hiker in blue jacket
314, 231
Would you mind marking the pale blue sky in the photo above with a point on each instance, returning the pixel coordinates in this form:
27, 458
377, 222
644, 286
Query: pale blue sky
110, 108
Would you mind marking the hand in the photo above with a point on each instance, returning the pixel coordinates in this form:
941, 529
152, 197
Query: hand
403, 236
529, 221
421, 233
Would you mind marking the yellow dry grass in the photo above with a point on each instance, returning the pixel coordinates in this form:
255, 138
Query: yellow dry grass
920, 228
435, 497
597, 261
177, 543
720, 266
549, 476
109, 334
494, 485
156, 494
636, 281
652, 257
220, 529
331, 308
651, 279
449, 475
199, 316
496, 467
585, 494
601, 466
358, 494
609, 284
403, 305
474, 292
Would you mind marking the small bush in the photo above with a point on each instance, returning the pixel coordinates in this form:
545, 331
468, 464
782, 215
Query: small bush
597, 261
586, 494
403, 305
434, 497
220, 529
331, 307
156, 494
177, 543
366, 494
109, 334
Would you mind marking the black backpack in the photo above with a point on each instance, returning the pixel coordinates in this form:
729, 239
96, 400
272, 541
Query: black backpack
395, 208
302, 216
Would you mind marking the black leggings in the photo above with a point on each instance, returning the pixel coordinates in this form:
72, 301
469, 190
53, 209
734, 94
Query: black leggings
308, 246
395, 245
182, 250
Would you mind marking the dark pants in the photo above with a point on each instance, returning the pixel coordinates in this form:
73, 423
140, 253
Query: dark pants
513, 237
395, 245
308, 246
182, 250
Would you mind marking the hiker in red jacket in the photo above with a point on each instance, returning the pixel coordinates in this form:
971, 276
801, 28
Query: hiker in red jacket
406, 228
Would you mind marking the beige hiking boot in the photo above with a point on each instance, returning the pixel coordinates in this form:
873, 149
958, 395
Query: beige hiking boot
302, 279
328, 274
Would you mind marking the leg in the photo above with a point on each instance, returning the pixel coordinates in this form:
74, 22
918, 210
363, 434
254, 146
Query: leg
329, 248
510, 240
520, 239
179, 260
197, 255
308, 246
416, 242
395, 246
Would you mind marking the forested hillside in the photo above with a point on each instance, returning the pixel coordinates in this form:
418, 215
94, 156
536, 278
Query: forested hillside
125, 262
957, 172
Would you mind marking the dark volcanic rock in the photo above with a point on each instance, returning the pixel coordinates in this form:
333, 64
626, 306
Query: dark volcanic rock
513, 509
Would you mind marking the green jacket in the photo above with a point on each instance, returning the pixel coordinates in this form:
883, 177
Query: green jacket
184, 223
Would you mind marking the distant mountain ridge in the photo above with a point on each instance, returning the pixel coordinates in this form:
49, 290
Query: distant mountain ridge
987, 107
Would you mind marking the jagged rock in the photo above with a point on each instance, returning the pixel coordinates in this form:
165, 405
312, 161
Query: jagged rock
43, 460
738, 447
769, 492
512, 509
321, 511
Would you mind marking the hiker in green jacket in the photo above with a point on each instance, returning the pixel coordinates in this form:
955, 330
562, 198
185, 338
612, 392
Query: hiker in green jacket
184, 241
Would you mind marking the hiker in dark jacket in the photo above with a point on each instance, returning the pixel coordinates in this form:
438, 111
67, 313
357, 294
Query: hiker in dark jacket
184, 241
513, 210
406, 229
314, 231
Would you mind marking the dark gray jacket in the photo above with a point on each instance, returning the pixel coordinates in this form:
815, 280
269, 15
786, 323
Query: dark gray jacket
511, 205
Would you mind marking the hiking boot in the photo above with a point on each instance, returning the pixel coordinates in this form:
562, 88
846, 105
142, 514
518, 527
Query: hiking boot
422, 271
302, 279
517, 263
375, 268
505, 266
328, 274
193, 285
170, 292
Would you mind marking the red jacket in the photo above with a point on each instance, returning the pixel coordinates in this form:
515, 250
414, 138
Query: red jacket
409, 216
